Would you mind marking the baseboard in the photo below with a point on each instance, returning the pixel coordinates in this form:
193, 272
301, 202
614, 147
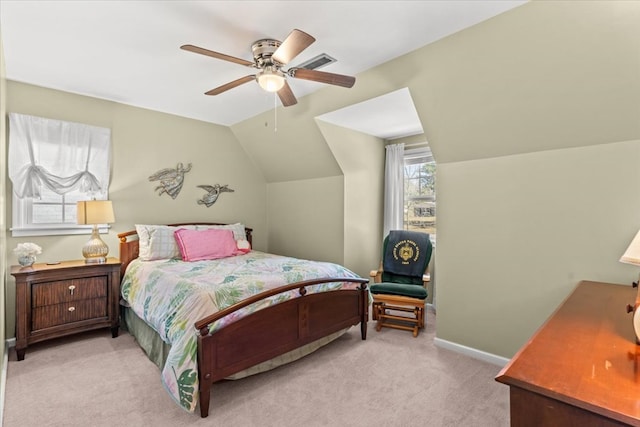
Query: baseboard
471, 352
11, 342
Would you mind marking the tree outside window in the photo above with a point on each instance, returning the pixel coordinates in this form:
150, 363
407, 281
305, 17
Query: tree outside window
419, 192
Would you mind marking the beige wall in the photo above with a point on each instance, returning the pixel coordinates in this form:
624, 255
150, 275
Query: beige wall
143, 142
288, 146
361, 157
335, 218
517, 233
306, 218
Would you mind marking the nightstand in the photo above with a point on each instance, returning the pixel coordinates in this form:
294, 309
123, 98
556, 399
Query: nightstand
63, 299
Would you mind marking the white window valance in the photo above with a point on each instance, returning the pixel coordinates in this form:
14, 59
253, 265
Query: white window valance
62, 156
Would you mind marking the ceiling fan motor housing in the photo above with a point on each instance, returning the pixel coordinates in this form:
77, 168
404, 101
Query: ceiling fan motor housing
263, 49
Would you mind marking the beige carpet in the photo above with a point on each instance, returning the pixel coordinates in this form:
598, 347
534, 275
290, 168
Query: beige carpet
390, 379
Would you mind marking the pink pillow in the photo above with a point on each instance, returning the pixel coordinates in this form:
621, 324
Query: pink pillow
196, 245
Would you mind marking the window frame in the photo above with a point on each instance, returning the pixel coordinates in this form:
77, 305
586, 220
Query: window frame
23, 226
418, 156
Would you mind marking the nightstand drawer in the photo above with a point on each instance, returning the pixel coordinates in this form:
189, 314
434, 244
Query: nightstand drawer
50, 293
68, 312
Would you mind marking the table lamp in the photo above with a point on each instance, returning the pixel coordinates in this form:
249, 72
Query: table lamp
632, 256
95, 212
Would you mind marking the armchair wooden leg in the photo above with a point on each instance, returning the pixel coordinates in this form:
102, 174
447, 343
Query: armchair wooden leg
385, 316
420, 316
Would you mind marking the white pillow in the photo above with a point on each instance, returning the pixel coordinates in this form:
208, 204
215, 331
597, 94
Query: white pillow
239, 232
158, 241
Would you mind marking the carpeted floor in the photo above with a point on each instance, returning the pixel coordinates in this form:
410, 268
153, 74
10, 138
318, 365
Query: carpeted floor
390, 379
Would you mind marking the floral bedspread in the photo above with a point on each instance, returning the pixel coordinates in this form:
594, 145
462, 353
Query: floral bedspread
171, 295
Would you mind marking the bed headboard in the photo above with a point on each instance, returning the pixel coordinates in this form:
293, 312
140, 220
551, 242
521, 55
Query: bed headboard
129, 242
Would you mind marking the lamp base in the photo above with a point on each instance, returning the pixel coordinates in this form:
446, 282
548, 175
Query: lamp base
95, 250
100, 260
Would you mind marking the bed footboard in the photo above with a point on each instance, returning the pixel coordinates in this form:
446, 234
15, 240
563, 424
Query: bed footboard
275, 330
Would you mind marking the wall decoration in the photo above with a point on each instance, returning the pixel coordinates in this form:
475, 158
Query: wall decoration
170, 180
213, 191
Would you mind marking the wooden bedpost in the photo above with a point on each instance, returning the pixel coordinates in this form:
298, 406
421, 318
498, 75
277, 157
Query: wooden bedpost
364, 296
204, 379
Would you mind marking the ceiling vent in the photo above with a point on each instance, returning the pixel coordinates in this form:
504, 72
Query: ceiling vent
319, 61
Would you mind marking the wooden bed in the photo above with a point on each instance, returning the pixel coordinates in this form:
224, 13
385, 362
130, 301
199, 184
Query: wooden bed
269, 332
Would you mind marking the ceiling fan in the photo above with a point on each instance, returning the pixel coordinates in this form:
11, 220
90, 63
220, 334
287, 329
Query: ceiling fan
269, 58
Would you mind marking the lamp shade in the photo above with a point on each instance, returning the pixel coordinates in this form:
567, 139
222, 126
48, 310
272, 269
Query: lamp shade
271, 80
632, 254
95, 212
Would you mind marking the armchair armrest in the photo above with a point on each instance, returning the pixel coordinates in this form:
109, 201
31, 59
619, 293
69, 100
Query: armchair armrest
426, 278
376, 275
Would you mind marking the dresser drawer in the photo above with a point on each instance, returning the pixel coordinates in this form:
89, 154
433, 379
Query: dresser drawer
51, 293
68, 312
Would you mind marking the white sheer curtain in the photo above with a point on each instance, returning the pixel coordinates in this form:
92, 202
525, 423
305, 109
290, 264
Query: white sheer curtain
61, 156
394, 188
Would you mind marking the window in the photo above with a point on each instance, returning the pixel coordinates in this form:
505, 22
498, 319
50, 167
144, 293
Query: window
53, 165
419, 191
52, 214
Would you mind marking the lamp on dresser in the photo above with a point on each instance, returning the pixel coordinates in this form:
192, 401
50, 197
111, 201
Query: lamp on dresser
632, 256
95, 212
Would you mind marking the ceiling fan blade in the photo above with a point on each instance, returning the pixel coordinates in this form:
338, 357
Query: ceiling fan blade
322, 77
207, 52
296, 42
286, 95
231, 85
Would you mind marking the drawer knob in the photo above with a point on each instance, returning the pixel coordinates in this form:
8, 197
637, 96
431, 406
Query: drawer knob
72, 309
71, 289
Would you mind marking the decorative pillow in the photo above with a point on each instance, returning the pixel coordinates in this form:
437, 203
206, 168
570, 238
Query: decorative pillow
158, 241
239, 232
196, 245
243, 246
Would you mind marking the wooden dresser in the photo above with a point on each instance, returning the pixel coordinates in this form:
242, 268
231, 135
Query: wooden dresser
582, 367
64, 299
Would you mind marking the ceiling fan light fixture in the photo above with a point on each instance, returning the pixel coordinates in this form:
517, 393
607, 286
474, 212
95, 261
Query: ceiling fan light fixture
270, 79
